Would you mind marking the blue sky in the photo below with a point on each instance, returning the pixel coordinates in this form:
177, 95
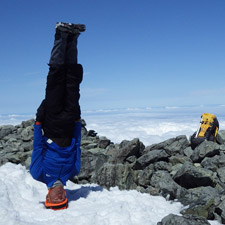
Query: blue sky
134, 53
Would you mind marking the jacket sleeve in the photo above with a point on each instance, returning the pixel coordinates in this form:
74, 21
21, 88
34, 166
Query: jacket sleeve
77, 132
77, 136
36, 168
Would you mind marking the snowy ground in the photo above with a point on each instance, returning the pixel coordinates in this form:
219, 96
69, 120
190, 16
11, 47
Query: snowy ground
22, 201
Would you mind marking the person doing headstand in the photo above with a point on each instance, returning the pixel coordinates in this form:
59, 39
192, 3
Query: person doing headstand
57, 129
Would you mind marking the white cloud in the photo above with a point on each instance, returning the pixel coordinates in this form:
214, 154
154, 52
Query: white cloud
149, 125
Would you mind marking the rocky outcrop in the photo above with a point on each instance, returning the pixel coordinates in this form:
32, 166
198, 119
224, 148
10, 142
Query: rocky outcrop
170, 169
184, 220
16, 143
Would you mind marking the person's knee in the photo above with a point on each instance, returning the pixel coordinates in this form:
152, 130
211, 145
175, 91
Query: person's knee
75, 72
56, 75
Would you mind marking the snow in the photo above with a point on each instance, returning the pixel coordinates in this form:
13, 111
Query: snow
22, 201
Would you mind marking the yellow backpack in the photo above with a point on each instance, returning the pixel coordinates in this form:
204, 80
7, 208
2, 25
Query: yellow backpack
209, 125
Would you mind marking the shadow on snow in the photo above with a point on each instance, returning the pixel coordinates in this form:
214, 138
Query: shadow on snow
83, 192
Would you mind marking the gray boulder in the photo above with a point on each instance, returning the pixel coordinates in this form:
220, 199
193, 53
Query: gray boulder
167, 186
172, 146
221, 174
179, 159
188, 152
151, 157
144, 176
103, 142
5, 130
221, 137
172, 219
27, 123
27, 133
161, 165
203, 207
220, 210
91, 161
131, 148
213, 163
195, 194
205, 149
121, 175
190, 176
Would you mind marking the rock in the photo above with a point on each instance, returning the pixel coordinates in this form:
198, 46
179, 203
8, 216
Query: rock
131, 148
221, 174
12, 157
188, 152
84, 131
111, 152
27, 133
203, 207
27, 162
178, 145
199, 194
92, 133
161, 145
205, 149
172, 219
123, 143
27, 146
85, 142
91, 161
111, 175
23, 156
91, 146
162, 166
221, 137
178, 159
28, 123
163, 181
132, 159
222, 148
175, 168
220, 210
103, 142
190, 177
83, 123
12, 145
152, 191
151, 157
172, 146
144, 176
213, 163
5, 130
